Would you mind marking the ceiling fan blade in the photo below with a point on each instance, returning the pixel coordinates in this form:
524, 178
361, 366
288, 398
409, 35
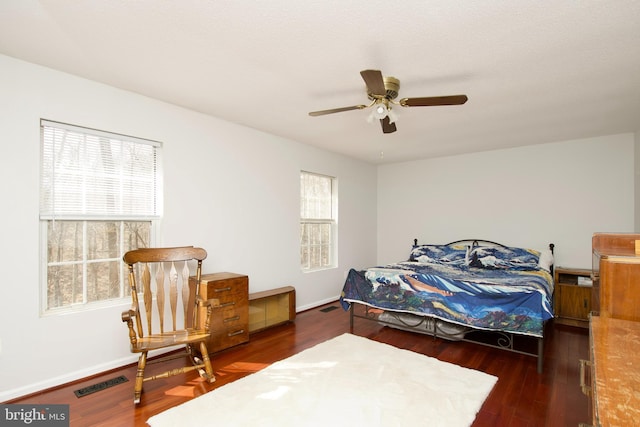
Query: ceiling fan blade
374, 81
387, 127
433, 101
336, 110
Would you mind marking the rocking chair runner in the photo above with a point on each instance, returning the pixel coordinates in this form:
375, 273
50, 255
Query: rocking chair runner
163, 274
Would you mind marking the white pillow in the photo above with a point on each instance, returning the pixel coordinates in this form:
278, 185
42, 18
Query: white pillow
546, 260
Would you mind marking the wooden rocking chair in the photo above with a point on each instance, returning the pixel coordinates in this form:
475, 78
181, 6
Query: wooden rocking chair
163, 274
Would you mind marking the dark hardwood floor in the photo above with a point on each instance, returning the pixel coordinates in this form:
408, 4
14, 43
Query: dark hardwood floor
521, 397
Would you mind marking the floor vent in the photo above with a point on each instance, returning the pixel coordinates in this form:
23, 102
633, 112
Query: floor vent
328, 309
100, 386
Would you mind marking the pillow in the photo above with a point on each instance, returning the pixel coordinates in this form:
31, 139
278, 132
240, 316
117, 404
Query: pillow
444, 254
498, 257
546, 260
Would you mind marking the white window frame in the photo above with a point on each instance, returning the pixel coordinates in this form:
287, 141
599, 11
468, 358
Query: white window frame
55, 208
306, 265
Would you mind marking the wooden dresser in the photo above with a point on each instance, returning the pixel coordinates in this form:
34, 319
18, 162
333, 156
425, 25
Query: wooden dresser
616, 276
615, 371
230, 317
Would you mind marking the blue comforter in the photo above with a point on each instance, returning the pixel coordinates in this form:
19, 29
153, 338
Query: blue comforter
516, 300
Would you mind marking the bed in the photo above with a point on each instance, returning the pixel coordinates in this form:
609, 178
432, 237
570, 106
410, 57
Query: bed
472, 290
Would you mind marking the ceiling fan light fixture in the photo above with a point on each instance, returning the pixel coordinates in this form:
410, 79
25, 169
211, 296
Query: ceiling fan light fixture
371, 116
380, 111
393, 117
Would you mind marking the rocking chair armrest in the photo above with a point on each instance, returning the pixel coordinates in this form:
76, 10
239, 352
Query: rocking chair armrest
128, 315
208, 304
200, 302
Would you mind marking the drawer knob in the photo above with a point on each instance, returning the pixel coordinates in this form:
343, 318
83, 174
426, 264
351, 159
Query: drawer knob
226, 304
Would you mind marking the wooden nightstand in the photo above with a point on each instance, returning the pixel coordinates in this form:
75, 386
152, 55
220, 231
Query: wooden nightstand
230, 317
572, 296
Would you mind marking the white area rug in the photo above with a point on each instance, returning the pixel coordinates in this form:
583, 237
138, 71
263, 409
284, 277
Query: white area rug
348, 380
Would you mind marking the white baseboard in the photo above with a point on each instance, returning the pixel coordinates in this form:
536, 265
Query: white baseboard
71, 376
317, 304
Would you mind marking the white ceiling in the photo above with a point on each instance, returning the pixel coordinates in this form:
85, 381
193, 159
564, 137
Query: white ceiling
535, 71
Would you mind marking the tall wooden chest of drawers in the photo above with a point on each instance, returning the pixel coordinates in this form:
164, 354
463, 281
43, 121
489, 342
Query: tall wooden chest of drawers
616, 275
229, 323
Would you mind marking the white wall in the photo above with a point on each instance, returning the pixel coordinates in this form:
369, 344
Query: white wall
230, 189
531, 196
637, 183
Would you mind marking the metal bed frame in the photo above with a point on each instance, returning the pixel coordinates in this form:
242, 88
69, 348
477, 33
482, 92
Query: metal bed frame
429, 325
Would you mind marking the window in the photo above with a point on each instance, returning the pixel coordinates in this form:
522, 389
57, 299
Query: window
318, 213
99, 197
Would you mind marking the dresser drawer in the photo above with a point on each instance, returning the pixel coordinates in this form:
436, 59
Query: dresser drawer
229, 327
226, 289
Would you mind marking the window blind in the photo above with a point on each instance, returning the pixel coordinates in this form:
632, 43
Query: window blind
91, 174
316, 196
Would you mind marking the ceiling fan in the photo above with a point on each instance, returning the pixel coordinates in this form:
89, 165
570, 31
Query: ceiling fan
382, 92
